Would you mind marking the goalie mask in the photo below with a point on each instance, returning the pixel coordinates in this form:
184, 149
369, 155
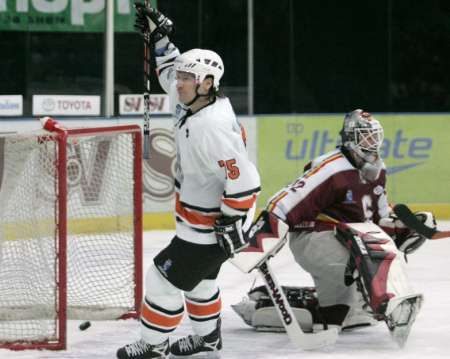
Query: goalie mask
363, 136
201, 63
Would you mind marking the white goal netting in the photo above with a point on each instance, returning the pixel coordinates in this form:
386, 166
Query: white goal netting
98, 254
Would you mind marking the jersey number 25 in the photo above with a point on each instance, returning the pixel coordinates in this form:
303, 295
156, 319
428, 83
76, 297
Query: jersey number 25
232, 171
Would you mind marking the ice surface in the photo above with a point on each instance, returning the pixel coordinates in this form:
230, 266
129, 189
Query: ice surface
429, 270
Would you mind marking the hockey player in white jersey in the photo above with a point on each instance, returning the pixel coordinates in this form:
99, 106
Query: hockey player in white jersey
216, 190
339, 188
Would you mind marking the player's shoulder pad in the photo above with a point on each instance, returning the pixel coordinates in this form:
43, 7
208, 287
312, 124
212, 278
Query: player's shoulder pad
217, 118
329, 163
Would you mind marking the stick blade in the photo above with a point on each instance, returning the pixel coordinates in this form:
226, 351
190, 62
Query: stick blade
410, 220
441, 235
312, 341
146, 149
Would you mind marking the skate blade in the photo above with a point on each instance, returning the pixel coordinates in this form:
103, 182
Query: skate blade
401, 329
202, 355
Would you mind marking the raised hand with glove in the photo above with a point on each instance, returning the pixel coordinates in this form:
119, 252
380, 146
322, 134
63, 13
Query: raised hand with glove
154, 26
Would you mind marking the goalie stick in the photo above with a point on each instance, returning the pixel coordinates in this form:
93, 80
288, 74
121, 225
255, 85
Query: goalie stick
305, 341
410, 220
267, 236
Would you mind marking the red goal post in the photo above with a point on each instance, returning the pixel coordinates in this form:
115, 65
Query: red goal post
70, 231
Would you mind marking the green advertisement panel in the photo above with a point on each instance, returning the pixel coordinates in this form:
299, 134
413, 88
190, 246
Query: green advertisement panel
64, 15
416, 151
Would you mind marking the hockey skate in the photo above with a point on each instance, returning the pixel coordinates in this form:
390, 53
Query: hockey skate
191, 345
359, 316
142, 350
402, 318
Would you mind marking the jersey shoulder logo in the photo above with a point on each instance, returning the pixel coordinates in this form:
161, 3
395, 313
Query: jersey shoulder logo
378, 190
349, 197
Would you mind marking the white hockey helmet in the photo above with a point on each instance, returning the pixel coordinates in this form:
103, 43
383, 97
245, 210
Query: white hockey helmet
201, 63
362, 134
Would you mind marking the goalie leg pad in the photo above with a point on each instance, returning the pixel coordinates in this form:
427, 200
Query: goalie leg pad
360, 315
380, 265
402, 318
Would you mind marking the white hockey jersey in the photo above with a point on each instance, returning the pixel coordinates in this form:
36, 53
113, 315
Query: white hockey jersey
214, 175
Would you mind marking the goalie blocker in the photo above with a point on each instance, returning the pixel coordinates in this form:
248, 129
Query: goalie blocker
265, 238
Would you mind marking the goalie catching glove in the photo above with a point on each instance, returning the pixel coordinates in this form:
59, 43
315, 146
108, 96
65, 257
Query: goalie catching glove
406, 239
150, 21
229, 234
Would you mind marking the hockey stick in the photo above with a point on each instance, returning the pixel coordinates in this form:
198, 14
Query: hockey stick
267, 236
146, 150
305, 341
410, 220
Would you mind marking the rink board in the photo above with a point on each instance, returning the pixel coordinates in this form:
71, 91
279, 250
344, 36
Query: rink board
415, 151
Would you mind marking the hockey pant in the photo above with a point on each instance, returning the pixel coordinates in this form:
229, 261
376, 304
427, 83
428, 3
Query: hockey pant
379, 266
164, 305
322, 256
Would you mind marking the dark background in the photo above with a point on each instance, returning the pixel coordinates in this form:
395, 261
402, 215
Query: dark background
310, 56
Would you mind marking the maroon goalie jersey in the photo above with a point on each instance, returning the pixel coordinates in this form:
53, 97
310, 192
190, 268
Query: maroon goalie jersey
334, 187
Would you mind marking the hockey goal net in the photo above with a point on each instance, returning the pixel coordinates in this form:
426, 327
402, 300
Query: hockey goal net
70, 231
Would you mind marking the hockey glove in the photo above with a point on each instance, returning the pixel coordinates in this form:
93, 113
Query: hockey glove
413, 240
406, 239
229, 235
150, 21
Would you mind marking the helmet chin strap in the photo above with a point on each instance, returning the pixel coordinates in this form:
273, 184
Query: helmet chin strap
196, 97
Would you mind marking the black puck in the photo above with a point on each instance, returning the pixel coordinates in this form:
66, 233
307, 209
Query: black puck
84, 325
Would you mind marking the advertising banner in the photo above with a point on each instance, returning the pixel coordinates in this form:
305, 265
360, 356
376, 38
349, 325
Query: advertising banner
415, 150
66, 105
11, 105
159, 169
134, 104
64, 15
